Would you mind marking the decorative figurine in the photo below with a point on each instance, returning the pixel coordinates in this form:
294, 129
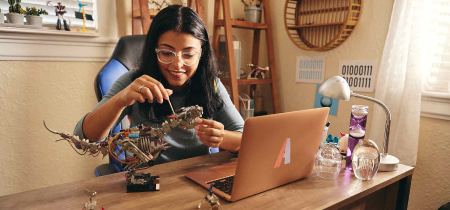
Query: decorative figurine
81, 9
212, 199
60, 10
256, 72
145, 143
91, 204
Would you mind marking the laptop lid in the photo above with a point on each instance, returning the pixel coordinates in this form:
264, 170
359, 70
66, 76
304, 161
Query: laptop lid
275, 149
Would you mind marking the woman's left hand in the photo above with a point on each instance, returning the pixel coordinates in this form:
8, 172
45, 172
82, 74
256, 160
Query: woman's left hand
210, 132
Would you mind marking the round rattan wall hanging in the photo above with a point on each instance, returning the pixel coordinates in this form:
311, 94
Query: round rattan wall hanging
321, 24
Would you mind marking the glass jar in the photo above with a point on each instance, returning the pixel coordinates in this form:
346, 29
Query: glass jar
365, 160
328, 161
357, 131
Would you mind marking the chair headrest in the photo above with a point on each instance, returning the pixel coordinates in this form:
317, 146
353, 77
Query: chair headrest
129, 49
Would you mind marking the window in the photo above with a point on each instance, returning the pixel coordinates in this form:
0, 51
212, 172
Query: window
49, 44
72, 6
436, 83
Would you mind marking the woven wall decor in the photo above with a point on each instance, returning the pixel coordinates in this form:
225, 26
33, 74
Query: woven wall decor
321, 24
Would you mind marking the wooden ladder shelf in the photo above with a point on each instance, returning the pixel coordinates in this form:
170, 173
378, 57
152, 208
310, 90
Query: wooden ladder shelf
228, 24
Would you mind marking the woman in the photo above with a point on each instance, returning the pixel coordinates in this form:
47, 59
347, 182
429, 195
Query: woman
177, 63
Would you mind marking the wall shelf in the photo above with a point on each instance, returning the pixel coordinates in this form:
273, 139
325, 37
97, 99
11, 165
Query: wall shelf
321, 24
243, 24
227, 81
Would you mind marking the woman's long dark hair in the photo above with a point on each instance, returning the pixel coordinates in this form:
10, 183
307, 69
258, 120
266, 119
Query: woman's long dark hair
201, 87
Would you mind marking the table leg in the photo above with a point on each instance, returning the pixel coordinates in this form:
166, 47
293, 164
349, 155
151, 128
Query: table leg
403, 192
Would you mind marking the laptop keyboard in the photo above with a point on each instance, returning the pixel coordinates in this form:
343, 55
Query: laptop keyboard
223, 184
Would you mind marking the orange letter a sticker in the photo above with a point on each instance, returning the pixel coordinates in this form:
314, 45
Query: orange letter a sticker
285, 152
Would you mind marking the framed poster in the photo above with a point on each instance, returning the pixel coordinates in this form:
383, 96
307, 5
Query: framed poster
310, 69
359, 74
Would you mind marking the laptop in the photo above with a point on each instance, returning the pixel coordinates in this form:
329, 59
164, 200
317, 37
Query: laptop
275, 150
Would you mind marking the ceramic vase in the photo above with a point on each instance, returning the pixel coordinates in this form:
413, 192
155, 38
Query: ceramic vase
2, 18
14, 18
34, 20
253, 14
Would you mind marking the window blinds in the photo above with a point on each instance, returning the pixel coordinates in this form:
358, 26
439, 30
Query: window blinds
51, 18
437, 78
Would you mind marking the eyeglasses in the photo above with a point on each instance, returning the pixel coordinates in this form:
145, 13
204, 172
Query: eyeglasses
168, 56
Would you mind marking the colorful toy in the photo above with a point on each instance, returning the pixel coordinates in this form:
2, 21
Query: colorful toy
91, 204
81, 9
60, 10
343, 143
212, 199
256, 72
144, 144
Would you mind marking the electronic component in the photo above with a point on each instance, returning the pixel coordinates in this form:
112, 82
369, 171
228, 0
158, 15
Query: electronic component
141, 182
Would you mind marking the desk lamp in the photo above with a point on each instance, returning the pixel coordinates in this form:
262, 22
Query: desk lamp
337, 87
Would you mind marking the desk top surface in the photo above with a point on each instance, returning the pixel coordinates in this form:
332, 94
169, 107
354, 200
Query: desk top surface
178, 192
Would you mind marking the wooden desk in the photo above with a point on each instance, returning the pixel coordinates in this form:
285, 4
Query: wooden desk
387, 190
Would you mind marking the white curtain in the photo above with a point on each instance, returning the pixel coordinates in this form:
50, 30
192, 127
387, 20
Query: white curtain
399, 84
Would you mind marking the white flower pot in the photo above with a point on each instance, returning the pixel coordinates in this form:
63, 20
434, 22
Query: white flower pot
14, 18
33, 20
2, 18
252, 14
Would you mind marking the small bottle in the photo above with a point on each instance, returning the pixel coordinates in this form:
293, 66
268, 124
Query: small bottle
324, 135
357, 131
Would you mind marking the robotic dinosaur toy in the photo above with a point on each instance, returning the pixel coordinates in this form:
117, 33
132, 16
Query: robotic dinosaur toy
144, 143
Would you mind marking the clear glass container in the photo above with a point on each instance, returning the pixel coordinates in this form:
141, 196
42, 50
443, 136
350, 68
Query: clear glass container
357, 130
328, 161
366, 160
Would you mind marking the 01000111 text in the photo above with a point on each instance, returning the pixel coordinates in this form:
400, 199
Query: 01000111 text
357, 70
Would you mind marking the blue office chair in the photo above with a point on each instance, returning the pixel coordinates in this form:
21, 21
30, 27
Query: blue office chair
126, 56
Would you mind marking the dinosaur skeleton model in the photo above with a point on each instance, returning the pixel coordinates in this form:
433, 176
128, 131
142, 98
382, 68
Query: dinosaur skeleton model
145, 143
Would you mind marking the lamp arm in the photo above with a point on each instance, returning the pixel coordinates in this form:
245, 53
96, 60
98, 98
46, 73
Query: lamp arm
388, 119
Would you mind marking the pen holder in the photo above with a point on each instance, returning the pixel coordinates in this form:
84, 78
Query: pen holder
247, 106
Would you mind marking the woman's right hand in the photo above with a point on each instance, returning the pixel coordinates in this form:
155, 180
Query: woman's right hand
141, 89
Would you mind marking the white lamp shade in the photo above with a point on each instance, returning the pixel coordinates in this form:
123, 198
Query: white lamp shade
335, 87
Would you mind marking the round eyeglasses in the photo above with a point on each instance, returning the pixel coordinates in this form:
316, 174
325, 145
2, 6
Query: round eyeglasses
168, 56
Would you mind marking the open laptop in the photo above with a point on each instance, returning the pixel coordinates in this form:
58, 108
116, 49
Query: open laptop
275, 150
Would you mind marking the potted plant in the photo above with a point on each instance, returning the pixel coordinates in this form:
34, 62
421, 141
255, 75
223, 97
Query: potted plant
15, 15
252, 10
32, 16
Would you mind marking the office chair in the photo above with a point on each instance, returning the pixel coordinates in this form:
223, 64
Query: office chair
126, 56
